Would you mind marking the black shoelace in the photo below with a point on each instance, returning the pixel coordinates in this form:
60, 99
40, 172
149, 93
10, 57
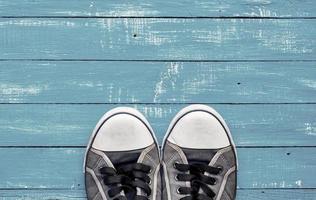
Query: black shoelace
127, 178
197, 179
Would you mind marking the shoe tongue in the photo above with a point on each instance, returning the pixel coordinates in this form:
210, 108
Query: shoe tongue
120, 158
203, 156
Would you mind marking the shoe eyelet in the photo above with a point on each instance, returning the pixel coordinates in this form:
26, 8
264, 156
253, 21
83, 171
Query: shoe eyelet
178, 190
151, 170
176, 177
175, 163
149, 182
221, 168
215, 182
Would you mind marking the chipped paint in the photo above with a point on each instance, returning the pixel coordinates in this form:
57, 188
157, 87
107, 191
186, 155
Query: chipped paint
259, 11
217, 35
278, 184
309, 83
202, 80
284, 41
310, 129
15, 92
70, 151
154, 112
87, 84
38, 22
299, 183
167, 80
129, 9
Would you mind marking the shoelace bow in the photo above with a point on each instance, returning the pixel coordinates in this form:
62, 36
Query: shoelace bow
197, 179
127, 178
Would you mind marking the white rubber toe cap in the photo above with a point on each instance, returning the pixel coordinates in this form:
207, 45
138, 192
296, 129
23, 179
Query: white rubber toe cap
122, 130
199, 127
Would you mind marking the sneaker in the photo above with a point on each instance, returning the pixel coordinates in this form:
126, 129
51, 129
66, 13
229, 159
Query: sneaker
199, 157
122, 158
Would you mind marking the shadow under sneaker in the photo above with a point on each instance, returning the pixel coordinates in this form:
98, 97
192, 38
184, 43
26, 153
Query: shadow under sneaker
199, 157
122, 158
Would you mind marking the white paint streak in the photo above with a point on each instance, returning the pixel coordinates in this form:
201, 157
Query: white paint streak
153, 38
299, 183
201, 80
18, 90
89, 84
91, 4
129, 9
34, 128
38, 22
310, 129
154, 112
309, 83
285, 41
120, 10
168, 79
15, 185
31, 130
261, 12
217, 35
14, 92
281, 184
106, 26
141, 32
70, 151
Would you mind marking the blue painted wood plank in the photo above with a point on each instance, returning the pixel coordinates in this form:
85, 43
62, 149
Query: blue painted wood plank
247, 194
175, 8
157, 82
71, 125
61, 168
157, 39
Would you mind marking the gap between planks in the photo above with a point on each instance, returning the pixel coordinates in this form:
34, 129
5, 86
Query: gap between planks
158, 60
163, 103
149, 17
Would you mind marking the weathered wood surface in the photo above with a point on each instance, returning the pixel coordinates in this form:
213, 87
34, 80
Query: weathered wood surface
158, 39
154, 8
157, 82
62, 168
71, 125
64, 63
245, 194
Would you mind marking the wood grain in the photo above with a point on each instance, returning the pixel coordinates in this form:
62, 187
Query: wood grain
61, 168
64, 63
71, 125
176, 8
248, 194
158, 39
157, 82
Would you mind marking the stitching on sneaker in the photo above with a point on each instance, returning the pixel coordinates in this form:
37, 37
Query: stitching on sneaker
105, 158
97, 182
218, 154
220, 192
180, 152
144, 153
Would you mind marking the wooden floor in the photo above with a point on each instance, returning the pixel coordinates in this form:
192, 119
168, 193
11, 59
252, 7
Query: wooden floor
64, 63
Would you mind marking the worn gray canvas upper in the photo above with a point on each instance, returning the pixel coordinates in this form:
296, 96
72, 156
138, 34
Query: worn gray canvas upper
225, 187
96, 159
200, 124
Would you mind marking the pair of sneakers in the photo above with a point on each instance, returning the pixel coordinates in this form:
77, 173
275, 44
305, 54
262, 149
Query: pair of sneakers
197, 160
